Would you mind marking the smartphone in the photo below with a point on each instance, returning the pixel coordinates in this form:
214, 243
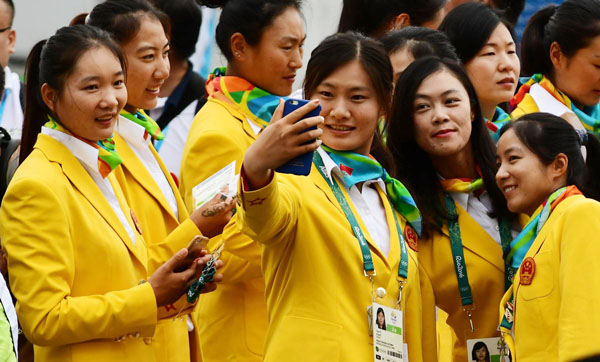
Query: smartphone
194, 248
300, 165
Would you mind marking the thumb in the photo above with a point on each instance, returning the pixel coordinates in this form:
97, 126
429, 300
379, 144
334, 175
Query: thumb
278, 114
176, 259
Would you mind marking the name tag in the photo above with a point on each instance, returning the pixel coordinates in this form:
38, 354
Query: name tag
388, 332
487, 349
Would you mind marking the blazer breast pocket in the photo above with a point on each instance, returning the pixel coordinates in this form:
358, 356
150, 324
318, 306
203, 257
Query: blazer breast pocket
542, 280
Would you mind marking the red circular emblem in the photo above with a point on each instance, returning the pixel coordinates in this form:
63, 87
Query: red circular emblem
136, 222
527, 271
411, 238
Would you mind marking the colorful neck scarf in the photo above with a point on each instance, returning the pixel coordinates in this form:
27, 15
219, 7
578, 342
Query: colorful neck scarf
589, 117
358, 168
253, 102
499, 120
108, 158
520, 245
145, 121
463, 185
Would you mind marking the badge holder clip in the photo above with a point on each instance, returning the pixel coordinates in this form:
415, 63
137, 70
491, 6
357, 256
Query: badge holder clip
401, 284
469, 310
370, 274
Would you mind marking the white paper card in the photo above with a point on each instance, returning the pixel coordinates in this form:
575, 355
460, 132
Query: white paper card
485, 349
387, 334
208, 188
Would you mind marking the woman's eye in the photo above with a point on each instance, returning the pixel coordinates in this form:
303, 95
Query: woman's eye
91, 87
452, 100
421, 107
326, 94
358, 97
119, 83
148, 57
513, 158
488, 54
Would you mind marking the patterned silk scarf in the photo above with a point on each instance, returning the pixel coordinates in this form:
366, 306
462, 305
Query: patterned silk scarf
145, 121
253, 102
464, 185
108, 159
499, 120
589, 117
358, 168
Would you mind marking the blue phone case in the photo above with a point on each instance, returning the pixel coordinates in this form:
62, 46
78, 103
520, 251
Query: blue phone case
300, 165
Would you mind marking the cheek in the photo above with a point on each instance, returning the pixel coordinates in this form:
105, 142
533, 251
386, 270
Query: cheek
421, 135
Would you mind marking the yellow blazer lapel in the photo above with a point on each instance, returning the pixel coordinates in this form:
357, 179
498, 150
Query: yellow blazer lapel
478, 241
183, 214
232, 108
79, 177
324, 186
140, 173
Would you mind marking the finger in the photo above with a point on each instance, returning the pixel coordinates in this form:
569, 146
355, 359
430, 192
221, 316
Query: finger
176, 259
218, 278
297, 114
189, 273
308, 136
219, 264
306, 123
278, 112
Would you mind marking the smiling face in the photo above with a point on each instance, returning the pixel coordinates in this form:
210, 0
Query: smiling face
495, 69
579, 75
522, 177
92, 97
147, 64
272, 63
351, 109
442, 116
481, 354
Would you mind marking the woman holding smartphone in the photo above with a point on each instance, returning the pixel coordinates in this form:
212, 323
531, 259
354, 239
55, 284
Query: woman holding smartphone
78, 264
556, 286
141, 30
333, 241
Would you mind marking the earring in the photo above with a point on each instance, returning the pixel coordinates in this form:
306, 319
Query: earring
237, 54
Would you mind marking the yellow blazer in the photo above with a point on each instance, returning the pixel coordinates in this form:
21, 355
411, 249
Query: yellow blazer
164, 232
317, 293
232, 320
557, 316
485, 268
73, 268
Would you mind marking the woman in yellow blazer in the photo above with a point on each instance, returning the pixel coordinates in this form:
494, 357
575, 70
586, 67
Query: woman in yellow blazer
332, 242
551, 312
147, 184
262, 59
437, 127
558, 53
76, 258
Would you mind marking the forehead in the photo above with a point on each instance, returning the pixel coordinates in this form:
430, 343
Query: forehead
5, 14
151, 33
349, 76
439, 82
593, 48
287, 24
500, 35
99, 61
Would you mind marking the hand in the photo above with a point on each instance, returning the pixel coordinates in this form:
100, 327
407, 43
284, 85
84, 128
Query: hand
212, 216
281, 142
169, 285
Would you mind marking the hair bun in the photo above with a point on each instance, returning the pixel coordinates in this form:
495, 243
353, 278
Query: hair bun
213, 3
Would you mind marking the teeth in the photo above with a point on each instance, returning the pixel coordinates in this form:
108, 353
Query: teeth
509, 188
153, 89
340, 128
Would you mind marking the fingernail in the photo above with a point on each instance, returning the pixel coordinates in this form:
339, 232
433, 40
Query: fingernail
322, 118
316, 101
319, 142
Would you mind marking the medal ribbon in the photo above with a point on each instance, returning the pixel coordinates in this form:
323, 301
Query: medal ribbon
521, 244
255, 103
357, 168
368, 266
589, 117
108, 158
145, 121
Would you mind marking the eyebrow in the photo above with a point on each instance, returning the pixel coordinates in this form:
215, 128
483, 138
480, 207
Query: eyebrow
426, 96
292, 39
511, 149
151, 47
352, 89
96, 77
496, 44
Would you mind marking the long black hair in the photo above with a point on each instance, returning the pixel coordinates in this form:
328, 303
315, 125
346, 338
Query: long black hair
52, 61
547, 135
247, 17
420, 42
370, 17
572, 25
415, 168
477, 347
469, 26
342, 48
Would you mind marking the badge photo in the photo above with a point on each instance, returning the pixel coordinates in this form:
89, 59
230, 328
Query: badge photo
485, 349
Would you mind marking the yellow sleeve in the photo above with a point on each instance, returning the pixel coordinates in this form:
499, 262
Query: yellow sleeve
35, 233
178, 239
270, 214
209, 153
428, 316
579, 283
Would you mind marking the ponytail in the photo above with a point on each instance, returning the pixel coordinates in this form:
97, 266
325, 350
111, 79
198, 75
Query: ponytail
79, 19
535, 53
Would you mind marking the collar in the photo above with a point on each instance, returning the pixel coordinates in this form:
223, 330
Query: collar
11, 80
85, 153
332, 168
132, 132
255, 128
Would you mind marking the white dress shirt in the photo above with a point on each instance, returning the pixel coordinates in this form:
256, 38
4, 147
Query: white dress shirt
88, 156
10, 104
133, 134
368, 204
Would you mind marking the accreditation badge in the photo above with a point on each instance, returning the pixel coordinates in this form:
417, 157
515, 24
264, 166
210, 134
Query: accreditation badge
487, 349
387, 334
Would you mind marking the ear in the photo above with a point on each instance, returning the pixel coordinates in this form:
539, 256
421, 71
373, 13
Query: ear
557, 57
12, 39
49, 96
400, 21
558, 168
239, 46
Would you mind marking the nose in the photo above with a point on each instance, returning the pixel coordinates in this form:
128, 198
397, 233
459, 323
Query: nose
339, 110
505, 63
109, 99
163, 68
296, 58
439, 115
501, 174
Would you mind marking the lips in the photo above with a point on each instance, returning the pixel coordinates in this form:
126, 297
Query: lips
339, 129
444, 133
507, 189
507, 80
290, 78
154, 89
